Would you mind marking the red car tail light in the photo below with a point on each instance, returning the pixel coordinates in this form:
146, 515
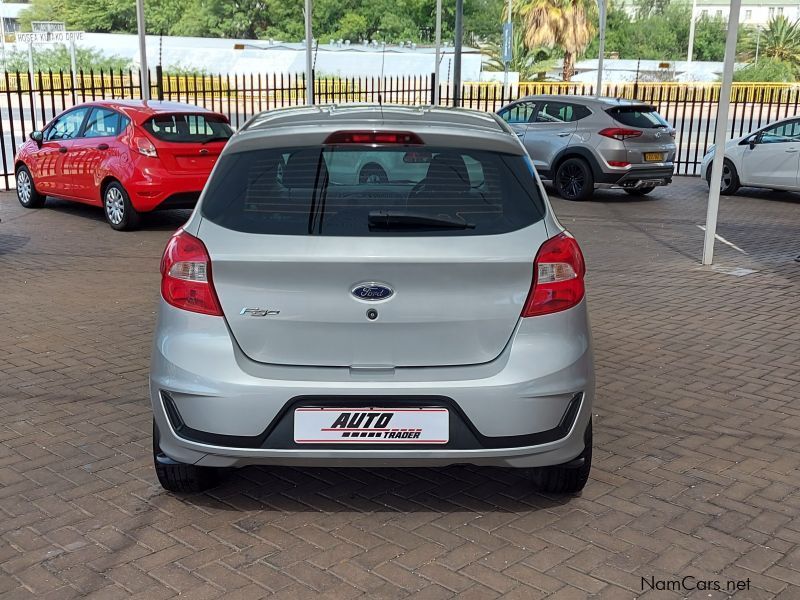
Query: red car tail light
618, 163
145, 146
374, 137
620, 133
186, 275
558, 273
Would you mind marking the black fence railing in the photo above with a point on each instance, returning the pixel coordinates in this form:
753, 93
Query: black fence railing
29, 102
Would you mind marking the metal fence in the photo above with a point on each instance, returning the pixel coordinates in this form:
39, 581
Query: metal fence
28, 103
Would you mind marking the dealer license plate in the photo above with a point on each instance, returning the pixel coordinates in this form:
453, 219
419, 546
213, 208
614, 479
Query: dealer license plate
371, 425
654, 156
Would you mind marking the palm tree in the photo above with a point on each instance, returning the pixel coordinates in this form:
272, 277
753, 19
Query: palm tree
780, 41
528, 62
567, 24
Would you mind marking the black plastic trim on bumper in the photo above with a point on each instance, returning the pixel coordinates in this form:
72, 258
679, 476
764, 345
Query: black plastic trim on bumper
179, 200
279, 434
635, 175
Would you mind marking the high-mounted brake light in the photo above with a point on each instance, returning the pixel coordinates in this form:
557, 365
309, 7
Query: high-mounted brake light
145, 146
620, 133
186, 275
374, 137
558, 273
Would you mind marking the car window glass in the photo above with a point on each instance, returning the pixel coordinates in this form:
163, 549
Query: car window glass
188, 128
336, 190
521, 112
782, 132
102, 122
579, 112
67, 126
554, 112
641, 117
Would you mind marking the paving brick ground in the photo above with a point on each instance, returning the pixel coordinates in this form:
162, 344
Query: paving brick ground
697, 435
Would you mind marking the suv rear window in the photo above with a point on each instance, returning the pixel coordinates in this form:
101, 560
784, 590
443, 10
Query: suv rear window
642, 117
188, 128
372, 191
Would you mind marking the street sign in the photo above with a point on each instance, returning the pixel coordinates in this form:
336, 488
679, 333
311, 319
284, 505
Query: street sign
48, 26
508, 33
48, 37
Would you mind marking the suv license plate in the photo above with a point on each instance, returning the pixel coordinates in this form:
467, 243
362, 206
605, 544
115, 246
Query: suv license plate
371, 425
654, 156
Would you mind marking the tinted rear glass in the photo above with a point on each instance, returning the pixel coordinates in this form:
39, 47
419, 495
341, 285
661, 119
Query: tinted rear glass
334, 190
642, 117
188, 128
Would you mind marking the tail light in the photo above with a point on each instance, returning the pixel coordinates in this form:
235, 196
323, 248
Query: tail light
558, 273
144, 146
620, 133
186, 275
374, 137
618, 163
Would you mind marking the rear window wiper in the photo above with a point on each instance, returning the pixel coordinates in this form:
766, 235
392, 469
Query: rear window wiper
386, 219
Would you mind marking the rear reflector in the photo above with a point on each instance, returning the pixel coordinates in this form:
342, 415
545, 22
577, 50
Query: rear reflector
558, 273
374, 137
620, 133
618, 163
186, 276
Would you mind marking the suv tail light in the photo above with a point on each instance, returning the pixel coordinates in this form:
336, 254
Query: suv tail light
145, 146
374, 137
558, 273
620, 133
186, 275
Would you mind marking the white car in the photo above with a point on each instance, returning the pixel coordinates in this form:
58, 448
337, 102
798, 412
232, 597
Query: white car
766, 158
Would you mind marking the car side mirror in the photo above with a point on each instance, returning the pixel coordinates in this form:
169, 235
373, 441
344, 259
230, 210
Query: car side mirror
37, 136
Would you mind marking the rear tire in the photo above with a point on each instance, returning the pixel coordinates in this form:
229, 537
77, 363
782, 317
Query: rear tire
642, 191
178, 477
26, 190
562, 479
117, 207
574, 179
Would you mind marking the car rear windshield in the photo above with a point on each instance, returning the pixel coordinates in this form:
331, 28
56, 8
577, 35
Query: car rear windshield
641, 117
372, 191
188, 128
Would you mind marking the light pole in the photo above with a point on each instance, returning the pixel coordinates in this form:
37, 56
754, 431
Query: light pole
309, 56
436, 83
144, 74
691, 36
601, 4
459, 34
508, 44
721, 133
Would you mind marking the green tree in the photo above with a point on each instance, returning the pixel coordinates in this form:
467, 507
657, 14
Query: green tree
768, 69
530, 63
780, 41
58, 59
564, 24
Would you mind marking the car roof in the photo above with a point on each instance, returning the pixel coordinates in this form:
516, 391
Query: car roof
140, 110
310, 125
593, 100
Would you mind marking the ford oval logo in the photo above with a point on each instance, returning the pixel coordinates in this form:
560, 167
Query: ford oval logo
372, 292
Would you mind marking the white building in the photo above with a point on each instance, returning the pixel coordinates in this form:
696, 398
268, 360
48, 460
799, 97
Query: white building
753, 12
243, 57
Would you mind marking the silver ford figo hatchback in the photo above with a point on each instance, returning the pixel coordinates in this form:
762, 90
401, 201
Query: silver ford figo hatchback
372, 286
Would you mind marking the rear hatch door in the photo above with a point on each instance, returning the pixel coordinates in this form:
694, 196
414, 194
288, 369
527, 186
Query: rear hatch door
188, 142
442, 293
656, 143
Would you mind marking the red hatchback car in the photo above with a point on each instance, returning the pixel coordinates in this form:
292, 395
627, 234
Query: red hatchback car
128, 156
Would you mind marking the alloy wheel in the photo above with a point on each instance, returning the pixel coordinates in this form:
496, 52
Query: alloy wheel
115, 205
727, 178
571, 180
24, 187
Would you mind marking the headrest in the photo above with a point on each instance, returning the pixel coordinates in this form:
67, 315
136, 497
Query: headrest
301, 169
448, 172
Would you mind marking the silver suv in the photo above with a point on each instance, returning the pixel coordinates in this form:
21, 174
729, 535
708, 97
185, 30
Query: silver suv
432, 315
583, 143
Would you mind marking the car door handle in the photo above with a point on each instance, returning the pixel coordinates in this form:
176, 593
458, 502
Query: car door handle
102, 146
62, 149
791, 151
564, 133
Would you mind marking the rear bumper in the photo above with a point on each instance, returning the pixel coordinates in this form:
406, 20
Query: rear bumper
636, 177
529, 407
154, 188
